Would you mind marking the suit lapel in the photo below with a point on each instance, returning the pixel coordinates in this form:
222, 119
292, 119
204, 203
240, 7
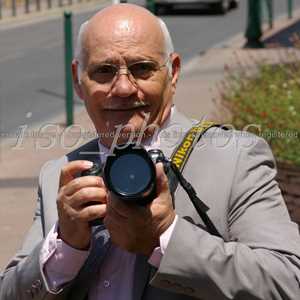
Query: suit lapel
173, 133
89, 151
49, 189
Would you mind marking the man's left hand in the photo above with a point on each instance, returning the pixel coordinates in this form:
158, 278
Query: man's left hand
137, 228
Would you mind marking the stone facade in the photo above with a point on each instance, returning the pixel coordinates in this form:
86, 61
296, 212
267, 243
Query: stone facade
289, 182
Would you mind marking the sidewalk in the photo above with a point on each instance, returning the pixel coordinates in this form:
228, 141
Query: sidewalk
21, 159
34, 16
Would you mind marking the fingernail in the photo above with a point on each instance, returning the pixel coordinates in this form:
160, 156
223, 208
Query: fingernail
101, 181
88, 164
160, 165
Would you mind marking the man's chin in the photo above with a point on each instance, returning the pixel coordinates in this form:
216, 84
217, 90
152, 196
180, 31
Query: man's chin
127, 133
131, 135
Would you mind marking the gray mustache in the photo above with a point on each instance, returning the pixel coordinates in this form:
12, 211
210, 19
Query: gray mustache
124, 105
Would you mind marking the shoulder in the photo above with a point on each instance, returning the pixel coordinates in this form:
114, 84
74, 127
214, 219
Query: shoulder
234, 144
223, 155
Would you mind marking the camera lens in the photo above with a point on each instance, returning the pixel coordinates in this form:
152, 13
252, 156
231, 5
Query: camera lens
130, 174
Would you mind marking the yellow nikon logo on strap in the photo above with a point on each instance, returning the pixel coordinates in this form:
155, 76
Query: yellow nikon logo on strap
185, 148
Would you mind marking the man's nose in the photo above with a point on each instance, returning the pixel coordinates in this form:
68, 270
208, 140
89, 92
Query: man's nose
124, 86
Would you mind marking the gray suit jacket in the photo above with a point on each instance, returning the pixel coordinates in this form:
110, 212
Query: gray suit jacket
258, 257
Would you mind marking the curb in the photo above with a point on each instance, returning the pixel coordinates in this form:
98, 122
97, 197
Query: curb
52, 14
238, 41
282, 22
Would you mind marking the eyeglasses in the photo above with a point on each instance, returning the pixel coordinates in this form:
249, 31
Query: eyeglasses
142, 70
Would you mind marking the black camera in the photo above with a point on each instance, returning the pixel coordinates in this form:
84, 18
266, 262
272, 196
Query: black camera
130, 173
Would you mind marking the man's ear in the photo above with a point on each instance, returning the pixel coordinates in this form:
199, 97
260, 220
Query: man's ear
76, 73
176, 64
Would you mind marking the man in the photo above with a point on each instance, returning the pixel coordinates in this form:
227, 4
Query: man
126, 72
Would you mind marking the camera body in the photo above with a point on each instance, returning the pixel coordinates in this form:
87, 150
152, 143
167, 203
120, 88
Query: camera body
130, 173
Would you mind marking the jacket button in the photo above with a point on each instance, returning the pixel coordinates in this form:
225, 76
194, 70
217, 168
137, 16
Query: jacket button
37, 284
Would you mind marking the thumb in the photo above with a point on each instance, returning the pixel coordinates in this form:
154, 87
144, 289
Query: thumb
69, 171
162, 183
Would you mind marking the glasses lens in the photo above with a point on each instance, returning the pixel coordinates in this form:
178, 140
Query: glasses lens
142, 70
106, 73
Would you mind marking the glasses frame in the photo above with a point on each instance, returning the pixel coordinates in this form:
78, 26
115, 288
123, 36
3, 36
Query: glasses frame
125, 70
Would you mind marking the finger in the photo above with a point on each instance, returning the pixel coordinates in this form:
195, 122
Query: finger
113, 219
92, 212
123, 209
87, 196
69, 171
82, 182
162, 183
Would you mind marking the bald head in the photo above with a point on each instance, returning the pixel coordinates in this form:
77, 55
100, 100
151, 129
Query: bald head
123, 23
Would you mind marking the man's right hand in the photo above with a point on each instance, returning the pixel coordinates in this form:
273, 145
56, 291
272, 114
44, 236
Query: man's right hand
73, 204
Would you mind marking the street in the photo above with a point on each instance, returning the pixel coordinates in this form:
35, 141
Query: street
32, 62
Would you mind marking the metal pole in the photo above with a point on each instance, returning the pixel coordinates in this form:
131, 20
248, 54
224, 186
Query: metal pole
150, 4
270, 10
38, 5
0, 9
290, 8
254, 31
68, 62
13, 8
26, 6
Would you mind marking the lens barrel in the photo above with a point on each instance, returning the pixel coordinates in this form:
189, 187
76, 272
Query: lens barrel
130, 174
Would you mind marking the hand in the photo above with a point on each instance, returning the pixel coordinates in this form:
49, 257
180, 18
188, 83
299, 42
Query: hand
136, 228
74, 204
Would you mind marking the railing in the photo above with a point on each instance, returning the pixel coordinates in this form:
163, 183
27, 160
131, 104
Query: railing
12, 8
269, 8
254, 26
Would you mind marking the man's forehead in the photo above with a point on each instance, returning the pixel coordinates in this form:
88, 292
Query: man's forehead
123, 29
124, 36
125, 26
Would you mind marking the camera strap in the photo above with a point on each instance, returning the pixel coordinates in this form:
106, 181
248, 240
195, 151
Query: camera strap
179, 159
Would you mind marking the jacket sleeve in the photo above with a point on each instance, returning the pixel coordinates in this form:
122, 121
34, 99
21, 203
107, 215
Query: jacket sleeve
22, 278
262, 259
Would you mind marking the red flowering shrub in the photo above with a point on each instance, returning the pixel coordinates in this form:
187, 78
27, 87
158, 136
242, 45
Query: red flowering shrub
270, 100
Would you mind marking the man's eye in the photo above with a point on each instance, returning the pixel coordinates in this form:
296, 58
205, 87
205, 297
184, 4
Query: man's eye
106, 69
104, 73
142, 70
